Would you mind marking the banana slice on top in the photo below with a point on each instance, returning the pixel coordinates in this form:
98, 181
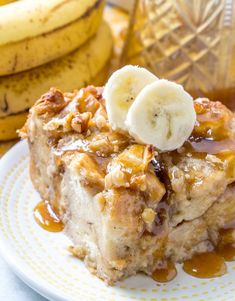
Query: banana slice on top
162, 115
121, 90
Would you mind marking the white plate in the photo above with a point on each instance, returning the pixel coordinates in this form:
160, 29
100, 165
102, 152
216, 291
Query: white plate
40, 258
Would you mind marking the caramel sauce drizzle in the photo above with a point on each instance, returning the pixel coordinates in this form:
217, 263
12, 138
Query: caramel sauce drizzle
165, 272
227, 251
226, 245
203, 265
210, 136
212, 264
47, 218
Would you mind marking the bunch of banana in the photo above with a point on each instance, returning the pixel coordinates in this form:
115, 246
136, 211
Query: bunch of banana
47, 43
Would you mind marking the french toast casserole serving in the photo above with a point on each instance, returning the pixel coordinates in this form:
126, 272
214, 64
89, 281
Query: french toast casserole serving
129, 205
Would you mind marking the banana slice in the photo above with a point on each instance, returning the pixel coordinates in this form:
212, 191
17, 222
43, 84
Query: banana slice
121, 90
162, 115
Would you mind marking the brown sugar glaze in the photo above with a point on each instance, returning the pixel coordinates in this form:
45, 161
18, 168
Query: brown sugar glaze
211, 135
226, 245
226, 96
227, 251
47, 217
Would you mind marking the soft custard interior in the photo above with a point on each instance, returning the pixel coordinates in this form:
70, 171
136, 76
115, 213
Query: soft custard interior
126, 206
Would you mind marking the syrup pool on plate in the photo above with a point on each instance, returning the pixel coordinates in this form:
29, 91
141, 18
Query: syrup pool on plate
205, 265
166, 272
47, 217
212, 264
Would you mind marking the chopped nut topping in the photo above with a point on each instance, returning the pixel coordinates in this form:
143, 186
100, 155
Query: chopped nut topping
138, 182
135, 159
212, 119
155, 188
148, 215
82, 116
80, 122
105, 143
59, 124
72, 121
101, 119
89, 170
116, 178
88, 100
100, 122
51, 102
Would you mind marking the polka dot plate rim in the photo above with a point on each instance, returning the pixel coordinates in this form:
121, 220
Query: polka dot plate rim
41, 259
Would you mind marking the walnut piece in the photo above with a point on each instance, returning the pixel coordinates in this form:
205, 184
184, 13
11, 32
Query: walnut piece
89, 171
51, 102
116, 178
80, 122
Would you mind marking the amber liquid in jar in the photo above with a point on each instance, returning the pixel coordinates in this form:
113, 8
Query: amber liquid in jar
188, 42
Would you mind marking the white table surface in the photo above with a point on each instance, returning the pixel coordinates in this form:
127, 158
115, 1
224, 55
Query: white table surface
13, 289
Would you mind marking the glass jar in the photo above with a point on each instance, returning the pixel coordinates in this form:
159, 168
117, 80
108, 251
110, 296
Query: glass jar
191, 42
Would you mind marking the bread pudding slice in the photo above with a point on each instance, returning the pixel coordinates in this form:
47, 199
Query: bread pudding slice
126, 206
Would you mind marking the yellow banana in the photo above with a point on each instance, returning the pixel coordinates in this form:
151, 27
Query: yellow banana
18, 92
33, 52
9, 125
29, 18
101, 78
3, 2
